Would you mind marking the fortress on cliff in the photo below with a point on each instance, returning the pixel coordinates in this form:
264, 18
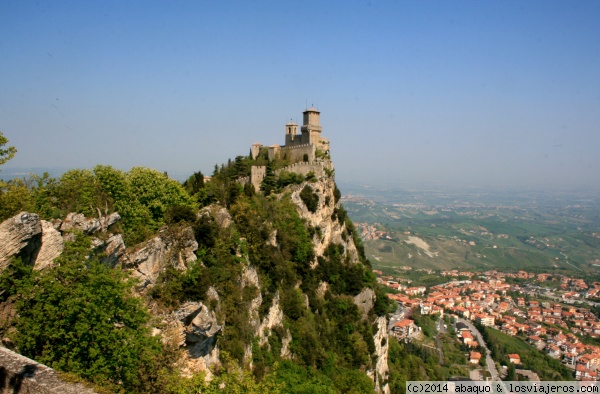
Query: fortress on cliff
306, 152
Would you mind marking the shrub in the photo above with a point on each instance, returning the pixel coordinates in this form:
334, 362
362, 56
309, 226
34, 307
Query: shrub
179, 213
80, 317
309, 198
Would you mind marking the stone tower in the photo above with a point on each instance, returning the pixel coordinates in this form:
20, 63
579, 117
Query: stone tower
311, 126
291, 133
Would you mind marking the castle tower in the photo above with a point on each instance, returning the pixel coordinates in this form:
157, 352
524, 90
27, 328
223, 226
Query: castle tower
311, 130
291, 133
311, 121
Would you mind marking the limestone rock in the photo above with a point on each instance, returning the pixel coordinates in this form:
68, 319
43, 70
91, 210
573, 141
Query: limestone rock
20, 235
272, 319
219, 214
365, 301
331, 231
20, 374
175, 246
286, 353
199, 329
322, 289
272, 238
381, 339
250, 278
211, 294
78, 221
111, 250
52, 246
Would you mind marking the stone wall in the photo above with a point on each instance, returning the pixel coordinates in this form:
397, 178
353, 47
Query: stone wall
257, 173
19, 374
295, 153
303, 168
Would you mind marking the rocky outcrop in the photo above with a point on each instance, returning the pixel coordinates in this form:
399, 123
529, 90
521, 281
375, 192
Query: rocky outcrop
275, 319
173, 245
111, 250
19, 374
272, 319
39, 242
365, 301
250, 278
380, 373
196, 329
330, 230
219, 214
51, 247
21, 236
78, 221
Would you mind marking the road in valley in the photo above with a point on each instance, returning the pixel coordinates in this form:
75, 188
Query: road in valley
491, 365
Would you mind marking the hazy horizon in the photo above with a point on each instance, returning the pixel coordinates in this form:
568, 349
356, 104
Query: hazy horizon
486, 94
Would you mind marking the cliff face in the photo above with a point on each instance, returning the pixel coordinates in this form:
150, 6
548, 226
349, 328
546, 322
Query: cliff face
330, 231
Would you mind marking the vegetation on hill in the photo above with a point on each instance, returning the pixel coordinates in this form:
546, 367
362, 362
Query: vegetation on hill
82, 317
141, 196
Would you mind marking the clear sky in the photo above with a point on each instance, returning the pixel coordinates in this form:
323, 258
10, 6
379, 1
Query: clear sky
447, 92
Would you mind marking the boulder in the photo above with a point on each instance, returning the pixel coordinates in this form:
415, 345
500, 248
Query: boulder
218, 213
198, 329
20, 235
111, 250
52, 246
78, 221
365, 301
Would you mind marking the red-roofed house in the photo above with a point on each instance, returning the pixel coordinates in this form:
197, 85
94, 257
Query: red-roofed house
514, 358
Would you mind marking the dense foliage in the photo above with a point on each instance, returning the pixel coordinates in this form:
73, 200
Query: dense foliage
142, 197
80, 317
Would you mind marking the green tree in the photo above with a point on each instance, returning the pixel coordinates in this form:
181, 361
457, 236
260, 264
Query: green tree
269, 182
310, 198
15, 197
7, 153
157, 191
511, 372
194, 183
79, 191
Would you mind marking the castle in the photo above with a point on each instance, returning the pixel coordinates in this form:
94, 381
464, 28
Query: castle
306, 152
299, 148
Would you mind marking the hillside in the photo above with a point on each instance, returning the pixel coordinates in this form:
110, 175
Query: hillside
136, 283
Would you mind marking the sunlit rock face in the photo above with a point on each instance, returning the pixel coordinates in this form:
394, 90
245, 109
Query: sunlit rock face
175, 246
21, 236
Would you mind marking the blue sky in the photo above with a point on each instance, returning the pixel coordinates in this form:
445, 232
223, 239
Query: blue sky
503, 93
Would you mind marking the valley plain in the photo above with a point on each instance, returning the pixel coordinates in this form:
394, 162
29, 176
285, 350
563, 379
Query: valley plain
473, 229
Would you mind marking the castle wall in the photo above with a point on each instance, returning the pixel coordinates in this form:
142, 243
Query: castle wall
318, 167
257, 174
295, 153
